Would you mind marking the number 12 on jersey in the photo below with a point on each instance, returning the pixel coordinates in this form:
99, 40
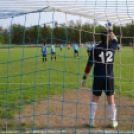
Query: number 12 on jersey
109, 56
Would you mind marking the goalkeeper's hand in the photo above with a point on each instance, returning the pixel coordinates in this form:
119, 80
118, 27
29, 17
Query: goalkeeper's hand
110, 30
110, 27
83, 80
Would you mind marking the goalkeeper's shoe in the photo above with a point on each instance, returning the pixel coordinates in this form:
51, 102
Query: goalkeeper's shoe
91, 124
114, 124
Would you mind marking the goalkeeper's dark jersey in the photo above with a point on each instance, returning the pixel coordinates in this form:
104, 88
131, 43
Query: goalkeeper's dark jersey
103, 57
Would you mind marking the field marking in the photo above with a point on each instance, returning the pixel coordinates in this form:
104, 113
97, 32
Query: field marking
38, 83
46, 131
55, 83
25, 83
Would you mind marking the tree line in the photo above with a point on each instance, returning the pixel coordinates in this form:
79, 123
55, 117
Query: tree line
61, 34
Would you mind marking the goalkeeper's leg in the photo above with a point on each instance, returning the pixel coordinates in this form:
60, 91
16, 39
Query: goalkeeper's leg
112, 110
93, 107
110, 99
97, 91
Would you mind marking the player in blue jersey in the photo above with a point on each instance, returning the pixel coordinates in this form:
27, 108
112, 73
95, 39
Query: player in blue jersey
94, 45
118, 47
53, 53
89, 47
76, 50
103, 57
44, 52
61, 47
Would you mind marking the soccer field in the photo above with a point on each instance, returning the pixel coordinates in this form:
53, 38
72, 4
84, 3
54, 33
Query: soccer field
24, 78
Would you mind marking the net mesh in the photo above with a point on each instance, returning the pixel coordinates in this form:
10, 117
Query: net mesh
47, 97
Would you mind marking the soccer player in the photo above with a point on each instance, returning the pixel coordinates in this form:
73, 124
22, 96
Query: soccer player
103, 55
89, 49
53, 53
76, 50
44, 52
118, 47
94, 45
68, 46
61, 47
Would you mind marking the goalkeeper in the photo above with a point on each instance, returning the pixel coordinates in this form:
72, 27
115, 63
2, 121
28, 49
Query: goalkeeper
103, 56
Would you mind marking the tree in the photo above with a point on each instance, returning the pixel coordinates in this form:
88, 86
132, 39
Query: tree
1, 36
6, 37
17, 34
45, 33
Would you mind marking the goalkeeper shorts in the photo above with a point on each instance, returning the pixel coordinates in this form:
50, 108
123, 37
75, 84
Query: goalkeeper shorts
108, 87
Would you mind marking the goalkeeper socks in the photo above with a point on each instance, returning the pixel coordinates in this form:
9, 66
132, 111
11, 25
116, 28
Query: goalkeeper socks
112, 111
43, 59
93, 107
55, 58
51, 58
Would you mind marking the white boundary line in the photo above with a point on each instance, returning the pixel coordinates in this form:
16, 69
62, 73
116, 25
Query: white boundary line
55, 83
67, 131
38, 83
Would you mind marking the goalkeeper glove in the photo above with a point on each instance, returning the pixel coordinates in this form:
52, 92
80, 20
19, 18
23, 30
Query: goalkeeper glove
83, 80
110, 27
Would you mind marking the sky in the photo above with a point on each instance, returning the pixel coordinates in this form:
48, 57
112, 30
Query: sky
45, 17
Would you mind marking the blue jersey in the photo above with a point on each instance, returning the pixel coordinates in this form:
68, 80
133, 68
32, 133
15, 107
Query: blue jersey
94, 45
61, 46
118, 46
52, 48
103, 59
89, 47
44, 50
76, 47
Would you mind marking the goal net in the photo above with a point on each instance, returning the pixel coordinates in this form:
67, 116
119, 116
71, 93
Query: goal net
42, 93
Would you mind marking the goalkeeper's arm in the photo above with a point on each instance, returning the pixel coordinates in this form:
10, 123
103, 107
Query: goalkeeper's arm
110, 30
87, 70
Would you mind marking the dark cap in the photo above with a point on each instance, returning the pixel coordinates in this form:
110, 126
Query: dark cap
103, 36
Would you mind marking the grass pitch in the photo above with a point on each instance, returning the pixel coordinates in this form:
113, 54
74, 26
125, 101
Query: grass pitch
24, 78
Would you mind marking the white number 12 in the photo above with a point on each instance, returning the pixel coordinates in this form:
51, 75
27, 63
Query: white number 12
109, 56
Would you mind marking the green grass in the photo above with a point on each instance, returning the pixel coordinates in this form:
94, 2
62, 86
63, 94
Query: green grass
31, 80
